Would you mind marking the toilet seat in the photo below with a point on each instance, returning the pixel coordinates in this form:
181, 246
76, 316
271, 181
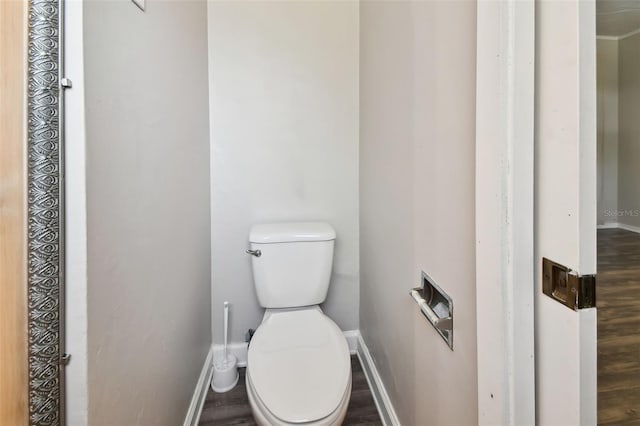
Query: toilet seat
264, 417
299, 367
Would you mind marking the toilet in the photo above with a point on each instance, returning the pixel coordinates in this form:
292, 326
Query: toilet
298, 365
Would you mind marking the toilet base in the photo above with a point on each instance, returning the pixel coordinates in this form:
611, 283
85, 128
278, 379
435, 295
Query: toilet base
263, 417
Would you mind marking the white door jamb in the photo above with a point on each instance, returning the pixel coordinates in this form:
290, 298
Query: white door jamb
504, 212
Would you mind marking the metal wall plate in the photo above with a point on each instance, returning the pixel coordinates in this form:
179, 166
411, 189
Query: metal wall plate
436, 306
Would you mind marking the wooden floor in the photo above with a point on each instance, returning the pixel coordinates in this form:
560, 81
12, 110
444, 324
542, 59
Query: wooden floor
232, 408
618, 302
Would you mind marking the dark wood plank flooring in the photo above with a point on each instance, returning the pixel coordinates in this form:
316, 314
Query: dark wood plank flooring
618, 302
232, 408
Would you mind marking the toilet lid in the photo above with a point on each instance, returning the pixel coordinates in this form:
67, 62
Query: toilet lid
299, 365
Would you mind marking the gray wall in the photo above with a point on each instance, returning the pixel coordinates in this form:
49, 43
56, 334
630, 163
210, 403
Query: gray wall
629, 131
417, 191
149, 326
284, 141
607, 97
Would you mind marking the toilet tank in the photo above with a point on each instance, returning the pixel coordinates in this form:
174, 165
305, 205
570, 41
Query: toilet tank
294, 266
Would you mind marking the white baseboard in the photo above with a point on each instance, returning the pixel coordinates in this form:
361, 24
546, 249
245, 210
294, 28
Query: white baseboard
609, 225
618, 225
631, 228
380, 395
352, 339
200, 393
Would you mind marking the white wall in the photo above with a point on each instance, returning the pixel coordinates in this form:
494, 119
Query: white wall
417, 211
147, 165
607, 98
76, 401
284, 141
629, 131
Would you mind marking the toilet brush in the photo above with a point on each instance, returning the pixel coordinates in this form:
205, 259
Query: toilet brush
225, 370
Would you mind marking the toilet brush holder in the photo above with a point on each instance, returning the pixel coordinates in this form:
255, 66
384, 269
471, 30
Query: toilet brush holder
225, 374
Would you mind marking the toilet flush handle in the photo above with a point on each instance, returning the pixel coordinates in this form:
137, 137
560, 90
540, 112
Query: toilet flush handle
256, 253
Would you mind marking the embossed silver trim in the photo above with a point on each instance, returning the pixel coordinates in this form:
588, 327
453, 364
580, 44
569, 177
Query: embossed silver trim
45, 214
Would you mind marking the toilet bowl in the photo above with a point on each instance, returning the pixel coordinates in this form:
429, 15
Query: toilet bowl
299, 370
298, 364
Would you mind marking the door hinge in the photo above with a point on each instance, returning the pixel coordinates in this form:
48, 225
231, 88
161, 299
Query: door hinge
568, 287
66, 83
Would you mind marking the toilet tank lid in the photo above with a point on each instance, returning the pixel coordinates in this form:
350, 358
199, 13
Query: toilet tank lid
269, 233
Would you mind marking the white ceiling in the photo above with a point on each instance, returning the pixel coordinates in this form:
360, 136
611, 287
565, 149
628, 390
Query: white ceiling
616, 18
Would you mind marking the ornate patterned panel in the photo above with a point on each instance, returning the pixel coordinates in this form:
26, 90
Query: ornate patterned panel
45, 214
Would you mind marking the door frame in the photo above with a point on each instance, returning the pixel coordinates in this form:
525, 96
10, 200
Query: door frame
505, 263
505, 69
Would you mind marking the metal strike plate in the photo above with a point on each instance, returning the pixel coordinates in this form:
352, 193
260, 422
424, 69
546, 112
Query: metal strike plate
567, 287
